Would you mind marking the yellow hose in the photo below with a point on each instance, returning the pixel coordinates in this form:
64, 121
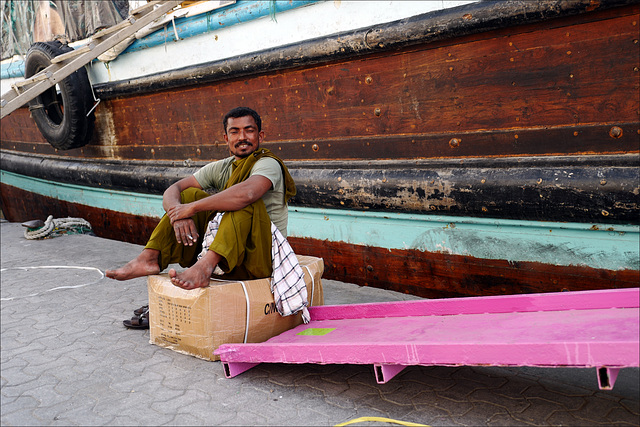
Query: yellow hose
381, 420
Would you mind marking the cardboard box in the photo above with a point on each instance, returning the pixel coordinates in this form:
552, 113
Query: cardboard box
197, 322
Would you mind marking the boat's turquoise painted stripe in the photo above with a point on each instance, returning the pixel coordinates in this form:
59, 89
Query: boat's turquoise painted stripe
612, 247
240, 12
120, 201
596, 245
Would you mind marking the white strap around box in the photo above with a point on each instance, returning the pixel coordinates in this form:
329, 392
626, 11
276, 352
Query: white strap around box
248, 303
246, 326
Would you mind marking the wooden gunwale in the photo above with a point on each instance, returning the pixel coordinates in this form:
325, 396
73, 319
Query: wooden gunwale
482, 21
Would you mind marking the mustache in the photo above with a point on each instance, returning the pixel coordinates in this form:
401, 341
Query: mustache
242, 142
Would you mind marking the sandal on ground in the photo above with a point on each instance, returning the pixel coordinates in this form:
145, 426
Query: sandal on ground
140, 311
138, 322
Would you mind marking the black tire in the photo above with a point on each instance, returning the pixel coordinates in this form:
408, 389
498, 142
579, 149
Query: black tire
61, 117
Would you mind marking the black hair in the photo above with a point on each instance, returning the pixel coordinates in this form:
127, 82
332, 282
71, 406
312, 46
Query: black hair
242, 112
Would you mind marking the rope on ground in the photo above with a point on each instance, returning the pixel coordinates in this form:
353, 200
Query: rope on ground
381, 420
57, 287
54, 227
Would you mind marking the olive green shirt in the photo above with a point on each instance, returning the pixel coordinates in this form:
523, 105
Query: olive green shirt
216, 174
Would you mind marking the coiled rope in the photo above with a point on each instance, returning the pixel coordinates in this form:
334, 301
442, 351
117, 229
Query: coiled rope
54, 227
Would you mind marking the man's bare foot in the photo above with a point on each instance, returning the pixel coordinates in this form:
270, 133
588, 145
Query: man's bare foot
198, 275
144, 264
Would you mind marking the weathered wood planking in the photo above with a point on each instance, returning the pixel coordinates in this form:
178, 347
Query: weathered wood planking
555, 87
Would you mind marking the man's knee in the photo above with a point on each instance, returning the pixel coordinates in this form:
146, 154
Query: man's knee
192, 194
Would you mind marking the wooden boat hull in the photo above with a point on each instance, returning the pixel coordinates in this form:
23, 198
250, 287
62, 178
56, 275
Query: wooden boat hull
480, 115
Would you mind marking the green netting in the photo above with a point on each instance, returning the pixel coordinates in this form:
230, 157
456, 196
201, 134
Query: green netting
27, 21
17, 24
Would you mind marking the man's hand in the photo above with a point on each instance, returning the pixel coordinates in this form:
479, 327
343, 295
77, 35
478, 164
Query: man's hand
186, 232
179, 214
180, 211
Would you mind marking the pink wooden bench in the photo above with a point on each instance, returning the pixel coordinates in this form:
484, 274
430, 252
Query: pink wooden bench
590, 329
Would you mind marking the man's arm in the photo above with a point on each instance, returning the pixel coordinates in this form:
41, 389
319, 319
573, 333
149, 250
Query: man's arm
233, 198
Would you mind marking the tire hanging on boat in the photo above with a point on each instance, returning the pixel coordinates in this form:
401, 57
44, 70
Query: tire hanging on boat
61, 111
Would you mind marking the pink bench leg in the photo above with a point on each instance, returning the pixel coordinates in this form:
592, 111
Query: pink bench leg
231, 369
384, 373
607, 377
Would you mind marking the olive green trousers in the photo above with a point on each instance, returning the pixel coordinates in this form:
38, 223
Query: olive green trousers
243, 240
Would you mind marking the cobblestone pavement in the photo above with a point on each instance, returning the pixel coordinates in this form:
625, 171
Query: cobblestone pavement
68, 360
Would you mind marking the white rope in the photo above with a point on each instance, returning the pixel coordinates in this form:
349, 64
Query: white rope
246, 296
51, 227
57, 287
313, 284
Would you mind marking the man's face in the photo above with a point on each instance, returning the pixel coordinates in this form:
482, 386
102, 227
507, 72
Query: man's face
242, 136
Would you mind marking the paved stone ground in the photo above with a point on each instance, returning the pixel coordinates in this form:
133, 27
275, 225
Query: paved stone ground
66, 359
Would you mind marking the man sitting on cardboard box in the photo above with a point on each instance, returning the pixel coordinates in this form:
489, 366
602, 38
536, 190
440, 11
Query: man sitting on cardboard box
253, 187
